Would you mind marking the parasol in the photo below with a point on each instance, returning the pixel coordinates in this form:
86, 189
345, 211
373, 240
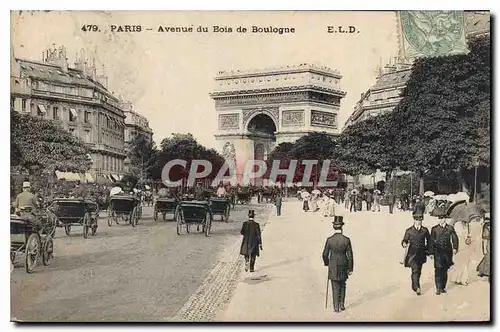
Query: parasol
440, 197
376, 191
305, 194
461, 211
316, 192
429, 194
115, 191
462, 196
354, 191
451, 198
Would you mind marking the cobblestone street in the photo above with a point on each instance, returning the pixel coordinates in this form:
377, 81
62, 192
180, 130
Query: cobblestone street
147, 273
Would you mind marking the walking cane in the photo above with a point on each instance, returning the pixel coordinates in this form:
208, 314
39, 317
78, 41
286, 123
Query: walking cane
326, 299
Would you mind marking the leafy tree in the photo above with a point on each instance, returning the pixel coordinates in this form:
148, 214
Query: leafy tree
185, 147
143, 157
40, 147
282, 152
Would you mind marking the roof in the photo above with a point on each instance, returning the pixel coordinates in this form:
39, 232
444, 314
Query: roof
477, 23
297, 68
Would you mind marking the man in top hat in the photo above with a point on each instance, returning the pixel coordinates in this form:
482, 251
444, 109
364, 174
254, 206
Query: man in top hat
416, 242
252, 241
337, 255
25, 199
443, 245
418, 208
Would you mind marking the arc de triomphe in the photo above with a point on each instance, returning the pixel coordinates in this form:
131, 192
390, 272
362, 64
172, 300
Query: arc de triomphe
259, 109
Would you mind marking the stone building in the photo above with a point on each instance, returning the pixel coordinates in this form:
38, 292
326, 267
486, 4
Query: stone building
77, 99
258, 109
135, 125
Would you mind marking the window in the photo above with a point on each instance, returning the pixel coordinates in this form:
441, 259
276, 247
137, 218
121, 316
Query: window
12, 102
87, 117
72, 115
55, 113
24, 105
87, 136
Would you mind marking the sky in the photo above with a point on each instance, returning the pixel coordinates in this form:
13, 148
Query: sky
168, 76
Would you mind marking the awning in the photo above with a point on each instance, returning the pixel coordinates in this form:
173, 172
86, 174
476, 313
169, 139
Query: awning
74, 112
42, 109
115, 177
89, 178
68, 176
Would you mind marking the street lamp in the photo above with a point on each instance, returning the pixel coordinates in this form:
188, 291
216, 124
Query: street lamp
476, 165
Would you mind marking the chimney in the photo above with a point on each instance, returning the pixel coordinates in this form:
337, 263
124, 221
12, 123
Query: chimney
56, 56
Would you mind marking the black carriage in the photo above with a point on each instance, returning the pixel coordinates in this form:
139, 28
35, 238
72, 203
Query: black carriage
164, 206
244, 197
126, 208
34, 238
220, 206
194, 213
76, 212
267, 195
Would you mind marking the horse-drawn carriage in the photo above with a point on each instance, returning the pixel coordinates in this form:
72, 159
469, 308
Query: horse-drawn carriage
127, 208
75, 212
267, 195
244, 197
194, 213
33, 237
164, 206
220, 206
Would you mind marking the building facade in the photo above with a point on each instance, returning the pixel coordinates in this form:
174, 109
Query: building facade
135, 125
78, 100
258, 109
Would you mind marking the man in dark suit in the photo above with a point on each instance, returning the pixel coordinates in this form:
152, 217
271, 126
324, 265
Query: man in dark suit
278, 202
252, 241
416, 239
443, 245
391, 200
369, 200
337, 255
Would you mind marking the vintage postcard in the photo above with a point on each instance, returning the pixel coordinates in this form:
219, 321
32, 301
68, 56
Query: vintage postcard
260, 166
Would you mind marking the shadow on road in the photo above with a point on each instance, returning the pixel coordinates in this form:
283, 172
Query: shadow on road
373, 295
285, 262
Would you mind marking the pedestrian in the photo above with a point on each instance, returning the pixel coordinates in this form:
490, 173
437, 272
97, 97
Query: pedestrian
337, 255
278, 202
418, 208
464, 257
252, 241
376, 201
305, 196
391, 200
325, 204
442, 246
369, 200
416, 243
483, 268
331, 207
346, 199
353, 198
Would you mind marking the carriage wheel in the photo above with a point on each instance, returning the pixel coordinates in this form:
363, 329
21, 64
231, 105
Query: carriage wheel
94, 228
67, 229
208, 224
48, 249
164, 216
226, 214
32, 252
155, 215
178, 217
86, 225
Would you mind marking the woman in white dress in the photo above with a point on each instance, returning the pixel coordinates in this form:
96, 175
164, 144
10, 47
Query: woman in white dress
331, 207
465, 259
325, 204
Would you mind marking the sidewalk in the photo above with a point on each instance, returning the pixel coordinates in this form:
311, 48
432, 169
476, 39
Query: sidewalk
290, 280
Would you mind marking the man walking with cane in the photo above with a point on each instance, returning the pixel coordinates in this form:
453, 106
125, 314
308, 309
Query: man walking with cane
337, 255
252, 241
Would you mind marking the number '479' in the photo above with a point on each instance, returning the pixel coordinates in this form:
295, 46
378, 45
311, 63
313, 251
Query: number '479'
90, 27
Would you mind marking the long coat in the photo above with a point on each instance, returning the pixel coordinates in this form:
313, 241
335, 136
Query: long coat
337, 255
443, 241
418, 246
251, 238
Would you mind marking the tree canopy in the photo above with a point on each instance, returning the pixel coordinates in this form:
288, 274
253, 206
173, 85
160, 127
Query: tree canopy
143, 157
41, 146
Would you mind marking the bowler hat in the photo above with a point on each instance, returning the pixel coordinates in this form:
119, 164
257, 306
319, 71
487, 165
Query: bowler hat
251, 213
338, 221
